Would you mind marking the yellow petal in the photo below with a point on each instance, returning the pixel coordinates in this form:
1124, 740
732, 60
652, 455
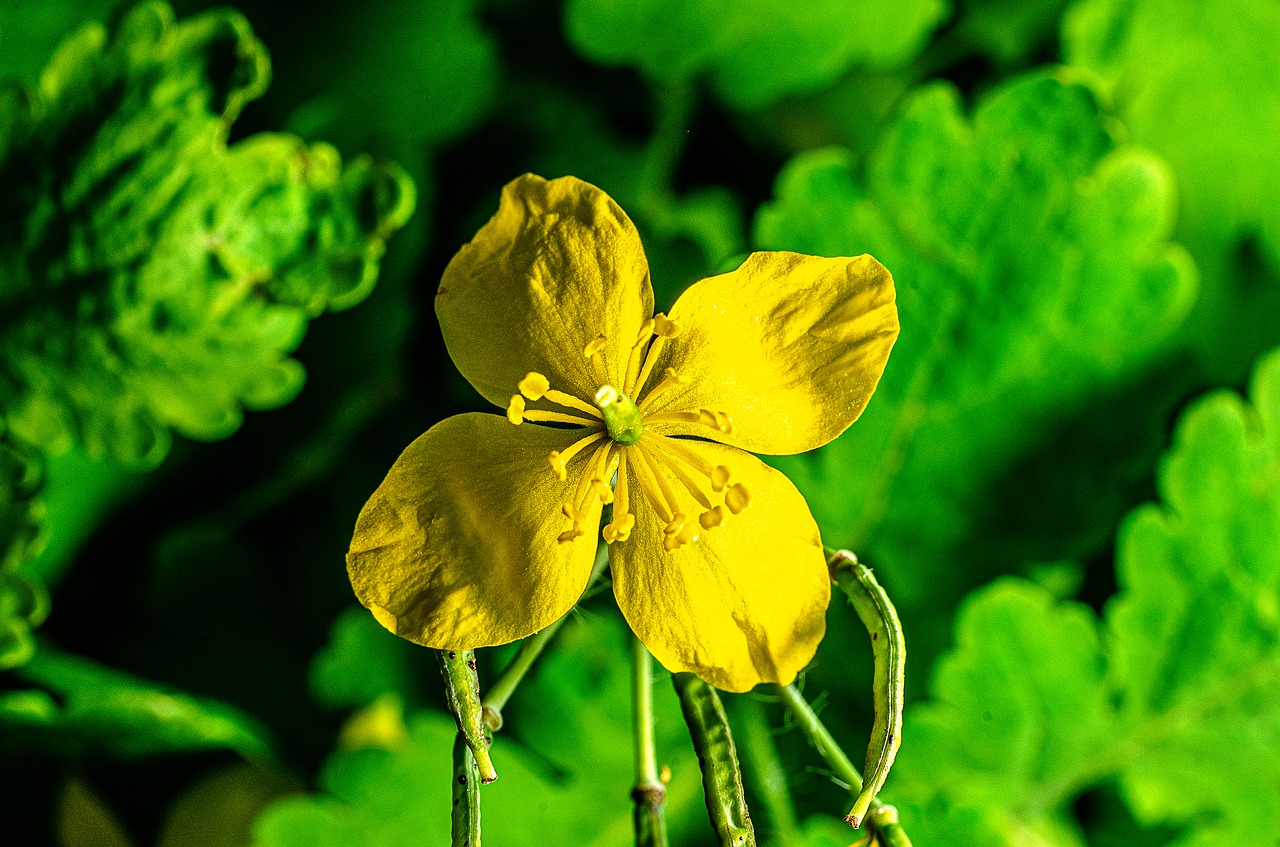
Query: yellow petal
789, 346
743, 604
457, 548
559, 265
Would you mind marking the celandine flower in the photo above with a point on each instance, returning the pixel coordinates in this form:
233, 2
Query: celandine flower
485, 529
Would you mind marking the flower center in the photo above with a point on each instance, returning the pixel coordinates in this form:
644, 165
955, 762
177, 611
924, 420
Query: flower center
621, 416
657, 465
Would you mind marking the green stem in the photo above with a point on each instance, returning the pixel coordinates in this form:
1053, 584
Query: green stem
765, 770
818, 736
882, 820
512, 675
661, 155
649, 793
465, 817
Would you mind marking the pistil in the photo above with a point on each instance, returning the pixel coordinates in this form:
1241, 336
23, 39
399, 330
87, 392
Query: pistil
621, 417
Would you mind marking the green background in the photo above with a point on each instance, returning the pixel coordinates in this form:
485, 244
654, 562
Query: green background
1068, 480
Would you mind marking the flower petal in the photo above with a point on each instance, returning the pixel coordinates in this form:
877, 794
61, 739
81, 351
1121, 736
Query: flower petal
789, 346
457, 548
559, 265
743, 604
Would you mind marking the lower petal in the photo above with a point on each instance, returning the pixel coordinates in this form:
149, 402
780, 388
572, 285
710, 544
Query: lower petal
458, 547
743, 604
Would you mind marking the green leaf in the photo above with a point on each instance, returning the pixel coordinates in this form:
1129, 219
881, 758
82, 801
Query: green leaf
363, 661
1027, 246
1173, 693
1196, 83
79, 707
416, 73
755, 51
24, 603
1009, 31
152, 278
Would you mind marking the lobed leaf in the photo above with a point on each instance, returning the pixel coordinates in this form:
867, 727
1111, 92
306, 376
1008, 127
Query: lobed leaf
151, 277
1026, 245
1173, 693
754, 51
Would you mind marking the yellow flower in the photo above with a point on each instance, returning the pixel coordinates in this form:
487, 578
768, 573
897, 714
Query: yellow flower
485, 529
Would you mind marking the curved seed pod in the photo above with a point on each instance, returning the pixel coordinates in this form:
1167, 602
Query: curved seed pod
887, 832
890, 652
462, 686
465, 818
718, 758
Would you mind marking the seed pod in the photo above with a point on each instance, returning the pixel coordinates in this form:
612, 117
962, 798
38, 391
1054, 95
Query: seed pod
465, 818
890, 652
718, 758
462, 686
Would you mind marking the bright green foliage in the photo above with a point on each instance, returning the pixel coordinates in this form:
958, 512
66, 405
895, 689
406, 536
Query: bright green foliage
363, 661
1197, 82
1173, 693
80, 707
23, 600
754, 50
563, 771
1026, 246
150, 276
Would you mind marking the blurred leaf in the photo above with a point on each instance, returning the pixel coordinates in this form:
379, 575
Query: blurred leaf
363, 661
1009, 31
1174, 694
24, 603
416, 73
1197, 82
30, 31
80, 707
755, 50
85, 821
151, 277
1026, 246
219, 810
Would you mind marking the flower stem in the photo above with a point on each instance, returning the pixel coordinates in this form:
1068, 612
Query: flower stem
512, 675
883, 818
649, 793
765, 769
465, 817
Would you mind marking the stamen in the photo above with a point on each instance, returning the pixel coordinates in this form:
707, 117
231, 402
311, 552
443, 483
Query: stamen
664, 328
649, 485
718, 474
712, 518
534, 385
569, 401
619, 529
737, 498
598, 461
673, 464
637, 353
515, 409
559, 461
668, 495
718, 421
556, 417
596, 361
669, 379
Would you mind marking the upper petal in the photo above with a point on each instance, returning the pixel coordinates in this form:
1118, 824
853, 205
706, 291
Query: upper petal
791, 347
743, 604
458, 546
559, 265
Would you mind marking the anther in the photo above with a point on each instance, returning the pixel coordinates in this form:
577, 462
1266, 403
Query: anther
664, 326
534, 385
602, 490
720, 476
558, 465
619, 529
594, 346
646, 332
712, 518
676, 524
515, 409
737, 498
570, 535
